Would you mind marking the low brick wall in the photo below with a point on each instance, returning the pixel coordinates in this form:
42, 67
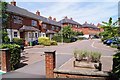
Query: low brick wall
66, 75
83, 74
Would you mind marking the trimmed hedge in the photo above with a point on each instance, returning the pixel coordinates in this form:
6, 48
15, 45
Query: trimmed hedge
46, 41
15, 54
53, 43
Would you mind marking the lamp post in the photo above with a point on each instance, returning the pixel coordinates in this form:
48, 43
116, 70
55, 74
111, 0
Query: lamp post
61, 34
11, 20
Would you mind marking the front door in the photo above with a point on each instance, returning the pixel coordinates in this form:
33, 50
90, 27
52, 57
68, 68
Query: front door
22, 35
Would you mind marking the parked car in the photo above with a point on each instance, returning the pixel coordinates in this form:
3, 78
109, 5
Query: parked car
73, 39
111, 41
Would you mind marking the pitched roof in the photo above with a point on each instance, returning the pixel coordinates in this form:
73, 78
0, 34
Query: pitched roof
24, 12
28, 28
66, 20
89, 25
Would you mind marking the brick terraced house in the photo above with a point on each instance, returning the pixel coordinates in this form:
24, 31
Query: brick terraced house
90, 29
70, 22
87, 29
29, 26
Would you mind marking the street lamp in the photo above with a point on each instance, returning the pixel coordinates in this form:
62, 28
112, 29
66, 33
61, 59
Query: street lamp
61, 34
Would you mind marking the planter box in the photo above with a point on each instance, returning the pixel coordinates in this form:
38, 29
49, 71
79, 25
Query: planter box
85, 64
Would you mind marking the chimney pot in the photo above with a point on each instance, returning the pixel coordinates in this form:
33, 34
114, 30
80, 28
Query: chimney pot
13, 3
54, 19
38, 13
50, 17
65, 17
71, 18
85, 22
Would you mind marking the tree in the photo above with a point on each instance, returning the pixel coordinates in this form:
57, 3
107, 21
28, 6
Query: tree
67, 32
4, 19
110, 29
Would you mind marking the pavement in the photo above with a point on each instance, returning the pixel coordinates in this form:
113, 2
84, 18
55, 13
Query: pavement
34, 57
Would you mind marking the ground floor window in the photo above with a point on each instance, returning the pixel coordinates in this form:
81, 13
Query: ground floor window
15, 34
31, 35
36, 35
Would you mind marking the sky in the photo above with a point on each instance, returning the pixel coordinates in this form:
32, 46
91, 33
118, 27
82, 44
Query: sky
92, 11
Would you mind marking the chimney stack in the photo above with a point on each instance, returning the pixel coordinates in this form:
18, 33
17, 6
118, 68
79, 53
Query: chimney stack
50, 17
13, 3
65, 17
71, 18
54, 19
85, 22
38, 13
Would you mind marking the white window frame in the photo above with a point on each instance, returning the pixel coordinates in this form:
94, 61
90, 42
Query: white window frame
34, 23
16, 34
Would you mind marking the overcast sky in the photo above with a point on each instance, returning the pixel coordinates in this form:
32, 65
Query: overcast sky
92, 11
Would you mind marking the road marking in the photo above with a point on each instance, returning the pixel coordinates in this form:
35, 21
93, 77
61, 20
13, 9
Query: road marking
99, 48
93, 45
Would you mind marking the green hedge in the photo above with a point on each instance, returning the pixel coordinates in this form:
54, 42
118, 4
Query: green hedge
18, 41
57, 38
15, 54
66, 40
53, 43
116, 64
46, 41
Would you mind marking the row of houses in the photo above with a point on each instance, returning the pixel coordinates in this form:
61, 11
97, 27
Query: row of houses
30, 26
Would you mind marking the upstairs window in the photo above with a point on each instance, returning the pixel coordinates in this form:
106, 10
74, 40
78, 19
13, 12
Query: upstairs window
34, 23
44, 26
17, 19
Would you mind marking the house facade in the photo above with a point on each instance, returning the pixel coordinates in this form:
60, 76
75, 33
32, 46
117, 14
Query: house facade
29, 26
90, 29
86, 28
70, 22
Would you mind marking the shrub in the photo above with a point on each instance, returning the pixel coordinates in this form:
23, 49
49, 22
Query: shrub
95, 56
6, 39
18, 41
79, 55
46, 43
116, 64
57, 38
15, 54
92, 56
53, 43
66, 40
42, 40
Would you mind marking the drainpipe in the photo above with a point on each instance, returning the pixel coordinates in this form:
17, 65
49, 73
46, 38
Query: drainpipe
11, 27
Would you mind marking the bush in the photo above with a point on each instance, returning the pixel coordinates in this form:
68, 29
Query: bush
66, 40
93, 56
53, 43
15, 54
6, 39
116, 64
18, 41
57, 38
46, 41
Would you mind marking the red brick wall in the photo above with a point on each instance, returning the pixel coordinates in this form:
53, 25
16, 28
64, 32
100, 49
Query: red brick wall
50, 64
26, 21
49, 27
